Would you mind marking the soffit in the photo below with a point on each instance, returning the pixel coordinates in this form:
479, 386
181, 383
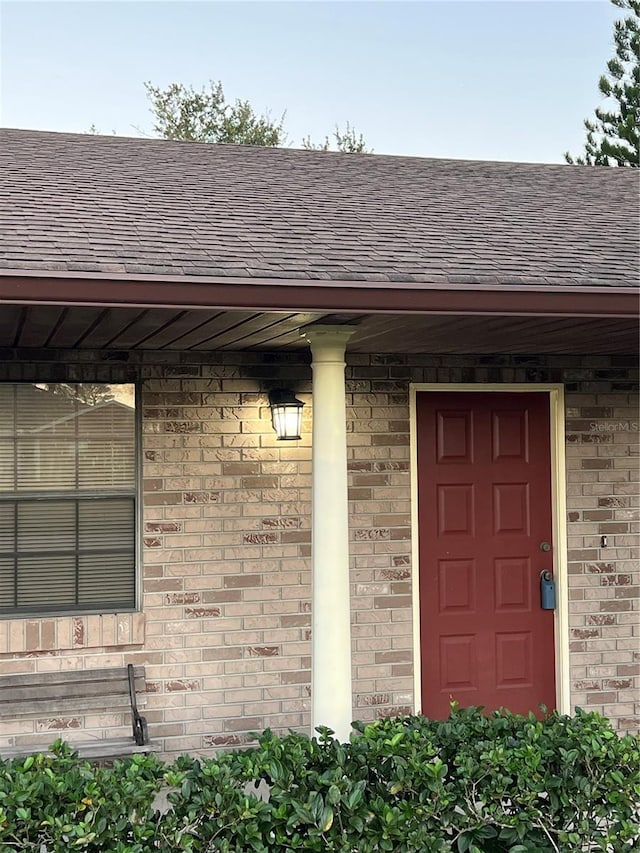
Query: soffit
137, 328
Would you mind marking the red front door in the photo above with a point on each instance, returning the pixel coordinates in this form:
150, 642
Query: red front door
484, 504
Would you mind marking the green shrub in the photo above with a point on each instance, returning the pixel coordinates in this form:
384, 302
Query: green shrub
474, 783
57, 803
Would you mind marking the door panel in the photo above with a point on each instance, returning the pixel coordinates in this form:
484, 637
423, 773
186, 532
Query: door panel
484, 506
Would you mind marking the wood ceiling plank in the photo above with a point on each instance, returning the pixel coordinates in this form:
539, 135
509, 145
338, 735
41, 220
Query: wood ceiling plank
12, 318
405, 334
164, 337
398, 327
292, 340
38, 323
208, 331
124, 328
486, 335
567, 336
109, 325
73, 326
143, 326
269, 335
613, 337
257, 322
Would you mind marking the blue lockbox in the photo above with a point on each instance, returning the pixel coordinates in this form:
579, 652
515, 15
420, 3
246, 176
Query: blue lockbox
547, 591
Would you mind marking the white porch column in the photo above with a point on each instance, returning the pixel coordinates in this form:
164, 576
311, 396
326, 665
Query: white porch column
331, 696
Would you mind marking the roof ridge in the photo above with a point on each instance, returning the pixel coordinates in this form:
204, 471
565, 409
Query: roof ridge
287, 148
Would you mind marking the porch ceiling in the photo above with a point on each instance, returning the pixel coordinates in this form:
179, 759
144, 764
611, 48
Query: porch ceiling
138, 328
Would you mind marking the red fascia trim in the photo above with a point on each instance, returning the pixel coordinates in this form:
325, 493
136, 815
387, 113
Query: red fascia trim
194, 292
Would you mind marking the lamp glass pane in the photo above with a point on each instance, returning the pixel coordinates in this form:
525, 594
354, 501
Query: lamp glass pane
287, 420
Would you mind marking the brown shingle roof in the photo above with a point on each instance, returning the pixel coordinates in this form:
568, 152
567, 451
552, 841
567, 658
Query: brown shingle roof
87, 203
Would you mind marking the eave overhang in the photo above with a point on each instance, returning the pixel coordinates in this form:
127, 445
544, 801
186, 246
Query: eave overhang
64, 288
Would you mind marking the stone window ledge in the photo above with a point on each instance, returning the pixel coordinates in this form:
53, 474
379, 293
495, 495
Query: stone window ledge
60, 633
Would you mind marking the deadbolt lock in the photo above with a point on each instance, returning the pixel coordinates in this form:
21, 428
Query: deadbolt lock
545, 546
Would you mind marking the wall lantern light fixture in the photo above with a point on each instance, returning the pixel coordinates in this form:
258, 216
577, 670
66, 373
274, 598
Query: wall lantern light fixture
286, 414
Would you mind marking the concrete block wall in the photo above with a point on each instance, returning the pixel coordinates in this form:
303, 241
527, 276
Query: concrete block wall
225, 627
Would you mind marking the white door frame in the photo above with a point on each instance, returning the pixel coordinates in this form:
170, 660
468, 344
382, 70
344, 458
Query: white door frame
559, 521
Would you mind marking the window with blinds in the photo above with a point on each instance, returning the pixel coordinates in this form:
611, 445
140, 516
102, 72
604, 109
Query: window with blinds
67, 497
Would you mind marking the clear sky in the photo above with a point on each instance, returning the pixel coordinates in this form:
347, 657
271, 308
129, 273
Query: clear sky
478, 80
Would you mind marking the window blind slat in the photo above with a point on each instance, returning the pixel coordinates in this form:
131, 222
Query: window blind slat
106, 464
106, 524
47, 526
106, 578
69, 548
7, 528
49, 579
7, 466
42, 410
45, 464
7, 582
7, 424
53, 571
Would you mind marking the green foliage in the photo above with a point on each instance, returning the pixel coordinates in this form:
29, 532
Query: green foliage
58, 803
471, 784
348, 141
95, 131
182, 112
613, 138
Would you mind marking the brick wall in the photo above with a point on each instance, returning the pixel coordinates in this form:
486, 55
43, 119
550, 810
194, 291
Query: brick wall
603, 500
225, 630
380, 531
227, 552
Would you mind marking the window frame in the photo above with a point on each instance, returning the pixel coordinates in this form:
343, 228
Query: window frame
78, 495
